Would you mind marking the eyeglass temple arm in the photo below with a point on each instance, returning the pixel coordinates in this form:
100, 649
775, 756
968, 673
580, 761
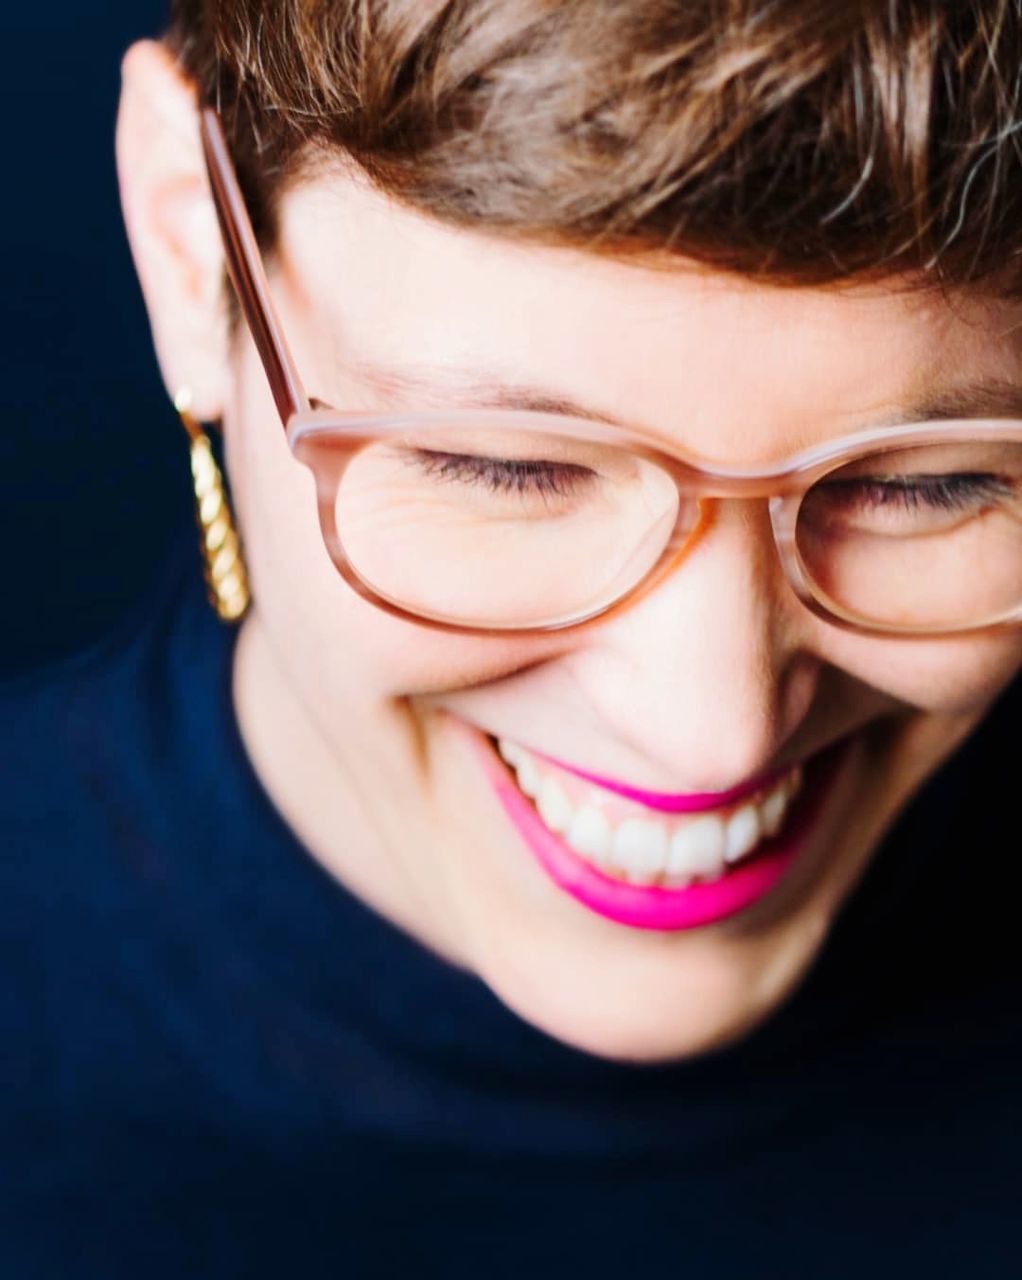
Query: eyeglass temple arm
245, 268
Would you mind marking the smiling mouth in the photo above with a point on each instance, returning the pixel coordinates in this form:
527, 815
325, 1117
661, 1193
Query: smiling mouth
696, 843
656, 870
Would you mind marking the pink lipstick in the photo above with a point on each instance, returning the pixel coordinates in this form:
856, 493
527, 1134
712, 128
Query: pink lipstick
655, 907
667, 802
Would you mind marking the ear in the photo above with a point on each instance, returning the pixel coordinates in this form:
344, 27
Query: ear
172, 226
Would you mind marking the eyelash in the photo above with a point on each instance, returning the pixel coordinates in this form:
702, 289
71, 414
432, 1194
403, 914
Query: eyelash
506, 475
938, 492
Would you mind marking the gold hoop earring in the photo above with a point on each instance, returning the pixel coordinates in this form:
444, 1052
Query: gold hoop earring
223, 564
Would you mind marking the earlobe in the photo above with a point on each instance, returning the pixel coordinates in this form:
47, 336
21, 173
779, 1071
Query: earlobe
171, 225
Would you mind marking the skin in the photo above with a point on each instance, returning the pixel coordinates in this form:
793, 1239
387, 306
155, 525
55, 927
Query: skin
718, 675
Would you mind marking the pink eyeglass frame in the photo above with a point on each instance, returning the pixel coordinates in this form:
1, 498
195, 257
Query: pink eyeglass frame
325, 440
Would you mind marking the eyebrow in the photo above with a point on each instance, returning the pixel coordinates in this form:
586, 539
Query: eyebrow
445, 386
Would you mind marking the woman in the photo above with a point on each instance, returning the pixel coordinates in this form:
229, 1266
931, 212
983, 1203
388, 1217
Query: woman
585, 849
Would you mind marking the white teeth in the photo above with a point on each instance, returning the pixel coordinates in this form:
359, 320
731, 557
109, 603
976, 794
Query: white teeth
528, 777
773, 809
675, 851
510, 752
554, 806
589, 834
742, 833
640, 849
697, 850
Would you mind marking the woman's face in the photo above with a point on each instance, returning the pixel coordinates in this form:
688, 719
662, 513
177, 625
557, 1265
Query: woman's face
375, 735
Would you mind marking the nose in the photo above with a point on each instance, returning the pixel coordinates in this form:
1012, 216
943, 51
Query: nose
705, 678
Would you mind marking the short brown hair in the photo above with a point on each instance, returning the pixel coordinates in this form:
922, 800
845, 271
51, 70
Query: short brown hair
800, 140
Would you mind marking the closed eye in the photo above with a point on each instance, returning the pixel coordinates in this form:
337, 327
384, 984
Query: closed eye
961, 491
525, 476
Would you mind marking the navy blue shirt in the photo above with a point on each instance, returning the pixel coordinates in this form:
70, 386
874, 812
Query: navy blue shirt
218, 1062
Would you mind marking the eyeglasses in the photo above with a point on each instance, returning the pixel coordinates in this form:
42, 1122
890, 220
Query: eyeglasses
510, 521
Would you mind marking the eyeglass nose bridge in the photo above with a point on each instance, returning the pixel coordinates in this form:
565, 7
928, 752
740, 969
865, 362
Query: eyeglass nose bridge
782, 490
686, 538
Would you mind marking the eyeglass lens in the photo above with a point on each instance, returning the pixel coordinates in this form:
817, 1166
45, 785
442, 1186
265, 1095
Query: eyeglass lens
502, 528
927, 537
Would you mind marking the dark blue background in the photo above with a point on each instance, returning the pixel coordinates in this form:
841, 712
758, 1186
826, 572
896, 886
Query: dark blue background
94, 467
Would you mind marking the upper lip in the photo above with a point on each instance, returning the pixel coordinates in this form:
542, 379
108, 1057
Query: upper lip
676, 801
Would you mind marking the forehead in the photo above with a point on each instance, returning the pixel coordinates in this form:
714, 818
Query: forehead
388, 305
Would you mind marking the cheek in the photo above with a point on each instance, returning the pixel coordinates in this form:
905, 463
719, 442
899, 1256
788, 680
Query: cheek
955, 676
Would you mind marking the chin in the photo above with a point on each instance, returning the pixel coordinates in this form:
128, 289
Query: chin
654, 1006
643, 1032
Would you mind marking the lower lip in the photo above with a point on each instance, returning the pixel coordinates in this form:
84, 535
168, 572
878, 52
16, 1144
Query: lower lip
653, 907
